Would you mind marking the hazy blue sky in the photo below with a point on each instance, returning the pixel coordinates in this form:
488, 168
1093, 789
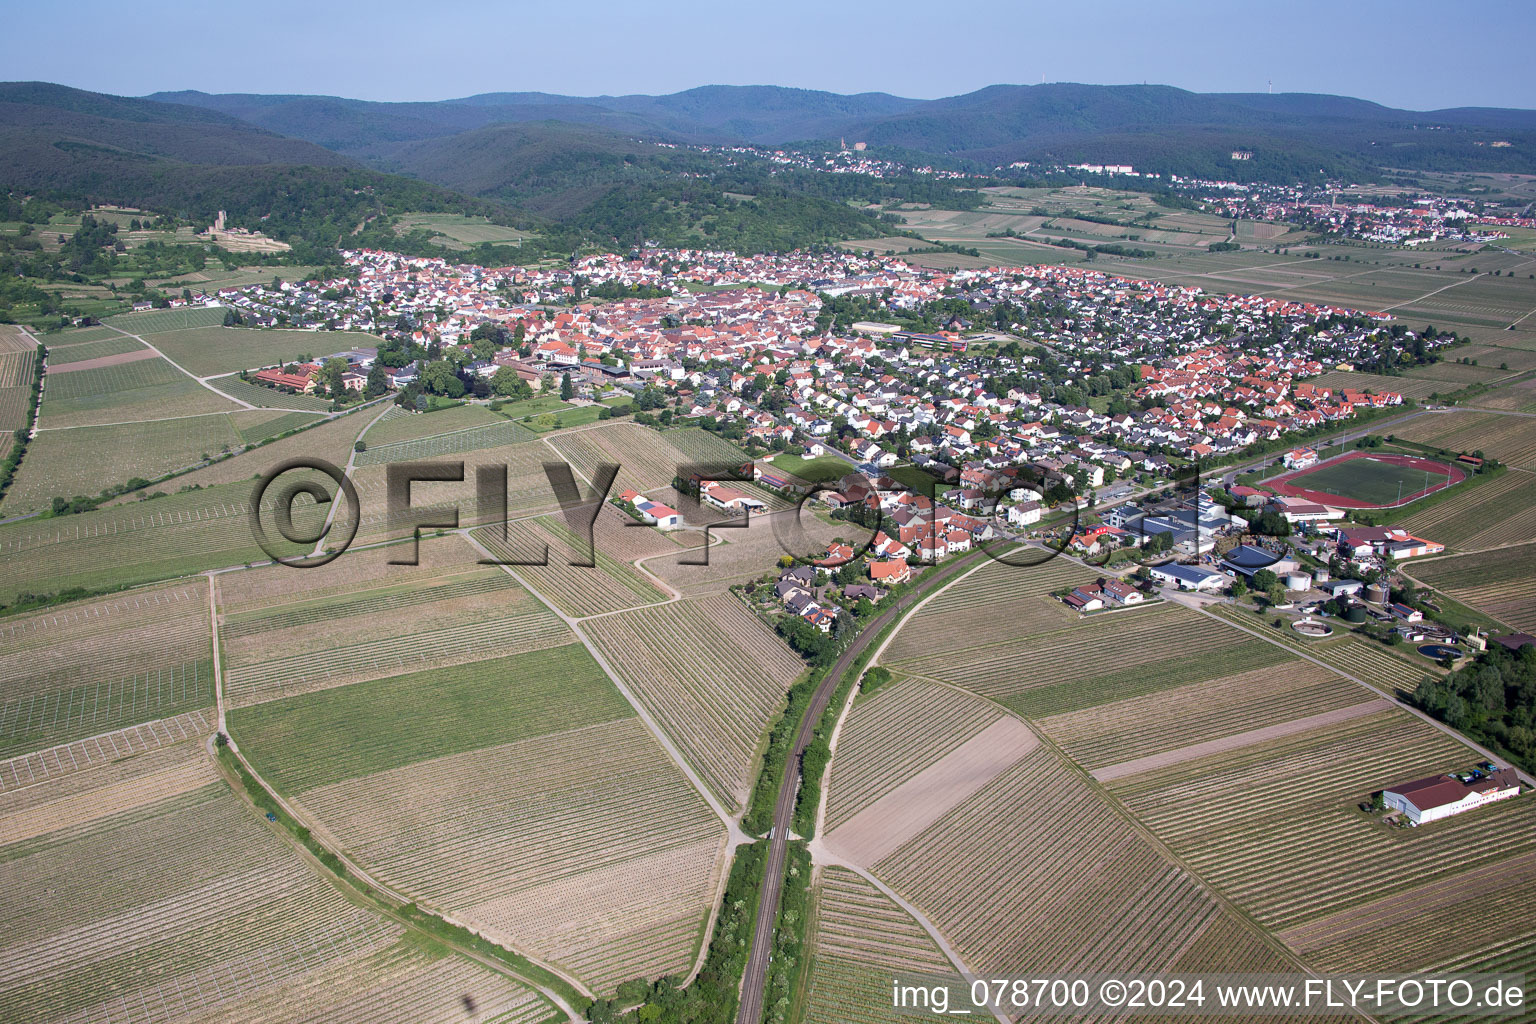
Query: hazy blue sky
1407, 53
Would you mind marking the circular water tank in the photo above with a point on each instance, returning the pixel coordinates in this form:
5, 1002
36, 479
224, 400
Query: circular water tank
1376, 593
1296, 580
1321, 575
1354, 613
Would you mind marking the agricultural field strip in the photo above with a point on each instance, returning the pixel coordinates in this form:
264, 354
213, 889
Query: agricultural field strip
577, 590
1094, 646
988, 875
1501, 582
103, 655
94, 751
856, 921
562, 790
1508, 438
147, 693
861, 935
1298, 813
712, 675
391, 597
17, 634
1241, 739
870, 835
1463, 521
1472, 886
494, 435
336, 666
16, 369
872, 753
1172, 719
290, 918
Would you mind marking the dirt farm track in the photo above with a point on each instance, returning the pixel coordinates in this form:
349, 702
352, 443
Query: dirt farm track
1293, 484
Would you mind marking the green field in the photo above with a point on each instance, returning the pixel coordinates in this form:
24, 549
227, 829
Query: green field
116, 344
349, 731
134, 542
456, 231
818, 470
1367, 480
84, 460
144, 389
155, 321
267, 398
210, 350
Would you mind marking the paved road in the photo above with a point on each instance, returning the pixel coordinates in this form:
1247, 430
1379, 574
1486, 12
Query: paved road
755, 977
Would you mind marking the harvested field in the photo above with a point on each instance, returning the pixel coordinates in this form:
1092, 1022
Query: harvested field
218, 349
1501, 582
989, 875
1486, 514
1299, 819
878, 830
860, 938
168, 900
711, 673
1168, 720
873, 756
577, 590
604, 862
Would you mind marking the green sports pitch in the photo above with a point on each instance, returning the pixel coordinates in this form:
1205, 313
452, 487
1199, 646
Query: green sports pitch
1361, 480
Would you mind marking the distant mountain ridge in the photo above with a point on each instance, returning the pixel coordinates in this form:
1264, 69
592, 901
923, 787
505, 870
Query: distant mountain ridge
1158, 127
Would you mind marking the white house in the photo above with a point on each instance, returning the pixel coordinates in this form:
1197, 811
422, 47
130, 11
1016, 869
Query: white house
1025, 513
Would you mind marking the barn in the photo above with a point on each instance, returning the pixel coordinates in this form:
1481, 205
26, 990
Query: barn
1441, 796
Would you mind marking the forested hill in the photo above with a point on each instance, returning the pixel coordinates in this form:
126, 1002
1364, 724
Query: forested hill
191, 163
1158, 128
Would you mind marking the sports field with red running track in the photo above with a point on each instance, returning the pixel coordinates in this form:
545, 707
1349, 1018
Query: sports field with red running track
1293, 484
